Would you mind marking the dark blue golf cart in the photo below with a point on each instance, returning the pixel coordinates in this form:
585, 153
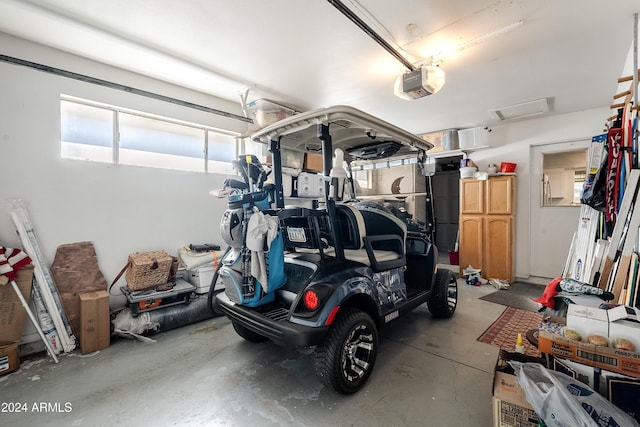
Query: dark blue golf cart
326, 278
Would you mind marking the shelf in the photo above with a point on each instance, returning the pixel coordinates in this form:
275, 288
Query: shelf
479, 147
443, 154
453, 153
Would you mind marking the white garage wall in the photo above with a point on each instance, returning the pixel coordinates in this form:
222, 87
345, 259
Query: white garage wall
121, 209
511, 143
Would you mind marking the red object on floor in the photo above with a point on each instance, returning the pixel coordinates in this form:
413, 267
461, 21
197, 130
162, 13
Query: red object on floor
550, 291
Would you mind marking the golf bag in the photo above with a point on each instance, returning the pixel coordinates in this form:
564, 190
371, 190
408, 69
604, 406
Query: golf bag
251, 273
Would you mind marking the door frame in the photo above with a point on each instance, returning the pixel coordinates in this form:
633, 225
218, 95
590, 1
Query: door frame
549, 246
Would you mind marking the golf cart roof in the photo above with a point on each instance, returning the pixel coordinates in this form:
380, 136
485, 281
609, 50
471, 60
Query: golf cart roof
357, 133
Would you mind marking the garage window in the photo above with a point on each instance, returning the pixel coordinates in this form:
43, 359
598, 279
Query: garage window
86, 132
101, 133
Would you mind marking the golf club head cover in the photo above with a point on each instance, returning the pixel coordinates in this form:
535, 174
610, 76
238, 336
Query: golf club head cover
572, 285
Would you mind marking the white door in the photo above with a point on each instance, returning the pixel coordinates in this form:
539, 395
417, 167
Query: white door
552, 227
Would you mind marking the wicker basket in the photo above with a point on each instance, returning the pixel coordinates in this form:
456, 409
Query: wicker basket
148, 269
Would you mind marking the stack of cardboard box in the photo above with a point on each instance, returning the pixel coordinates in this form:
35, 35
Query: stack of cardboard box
613, 372
510, 406
12, 317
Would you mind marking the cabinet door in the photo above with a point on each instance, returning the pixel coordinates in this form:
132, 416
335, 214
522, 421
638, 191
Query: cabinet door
499, 200
471, 241
471, 196
498, 238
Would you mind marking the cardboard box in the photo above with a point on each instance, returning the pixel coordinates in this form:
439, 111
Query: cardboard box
624, 392
627, 329
615, 322
9, 359
591, 320
510, 406
12, 313
584, 373
620, 361
95, 325
313, 162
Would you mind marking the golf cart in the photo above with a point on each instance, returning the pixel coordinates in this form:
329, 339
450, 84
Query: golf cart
326, 278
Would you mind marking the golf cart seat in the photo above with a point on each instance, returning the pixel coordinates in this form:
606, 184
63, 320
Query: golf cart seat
371, 237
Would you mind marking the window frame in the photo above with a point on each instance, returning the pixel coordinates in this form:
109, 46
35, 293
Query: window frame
116, 126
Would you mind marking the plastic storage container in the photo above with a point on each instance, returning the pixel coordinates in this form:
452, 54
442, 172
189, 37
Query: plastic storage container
201, 278
450, 140
265, 112
506, 167
467, 172
473, 138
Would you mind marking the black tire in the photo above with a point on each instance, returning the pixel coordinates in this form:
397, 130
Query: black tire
345, 359
444, 299
247, 334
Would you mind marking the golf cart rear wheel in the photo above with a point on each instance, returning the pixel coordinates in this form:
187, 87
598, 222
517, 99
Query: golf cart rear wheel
345, 359
444, 299
246, 333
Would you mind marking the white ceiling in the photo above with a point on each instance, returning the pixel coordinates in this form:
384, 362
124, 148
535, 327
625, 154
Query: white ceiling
305, 54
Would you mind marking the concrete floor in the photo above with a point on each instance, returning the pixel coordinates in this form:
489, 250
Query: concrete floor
429, 372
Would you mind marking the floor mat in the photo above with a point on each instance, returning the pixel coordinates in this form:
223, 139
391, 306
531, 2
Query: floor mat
519, 295
504, 331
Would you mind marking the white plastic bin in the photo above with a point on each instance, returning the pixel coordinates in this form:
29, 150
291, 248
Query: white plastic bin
473, 138
201, 278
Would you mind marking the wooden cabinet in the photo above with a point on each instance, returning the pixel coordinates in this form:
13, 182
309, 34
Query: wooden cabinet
499, 195
471, 231
471, 196
486, 226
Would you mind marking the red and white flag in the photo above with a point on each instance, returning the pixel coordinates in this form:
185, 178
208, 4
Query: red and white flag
12, 260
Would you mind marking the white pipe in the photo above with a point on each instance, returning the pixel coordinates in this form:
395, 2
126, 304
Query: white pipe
20, 218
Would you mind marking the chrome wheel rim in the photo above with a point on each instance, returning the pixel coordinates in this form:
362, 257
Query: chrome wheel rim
357, 353
452, 294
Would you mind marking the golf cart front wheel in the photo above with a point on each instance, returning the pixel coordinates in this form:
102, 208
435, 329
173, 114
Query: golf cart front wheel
444, 297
